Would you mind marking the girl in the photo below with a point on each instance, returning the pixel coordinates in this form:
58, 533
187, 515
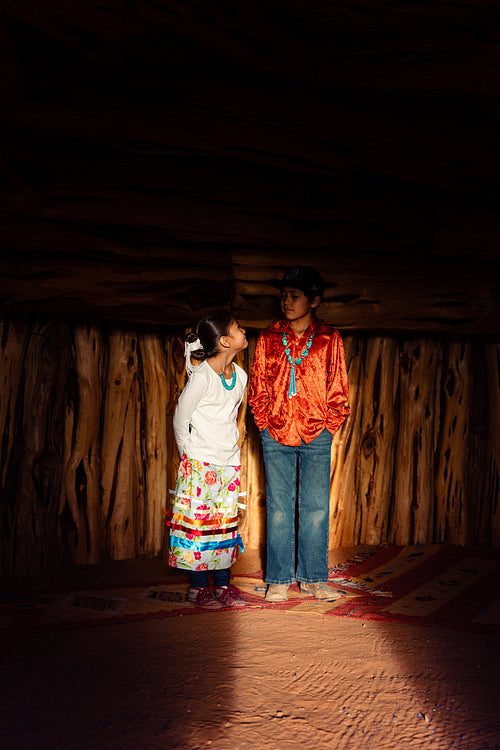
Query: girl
203, 520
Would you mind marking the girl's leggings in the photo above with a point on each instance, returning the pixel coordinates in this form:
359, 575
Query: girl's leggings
199, 578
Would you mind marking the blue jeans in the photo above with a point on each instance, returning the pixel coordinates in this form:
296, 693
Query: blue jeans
312, 495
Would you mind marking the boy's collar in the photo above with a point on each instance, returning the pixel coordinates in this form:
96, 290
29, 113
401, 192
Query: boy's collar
286, 326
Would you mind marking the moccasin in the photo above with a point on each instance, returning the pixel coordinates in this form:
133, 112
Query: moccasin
319, 591
277, 592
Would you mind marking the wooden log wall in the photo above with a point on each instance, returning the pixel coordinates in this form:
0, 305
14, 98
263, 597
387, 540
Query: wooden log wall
88, 456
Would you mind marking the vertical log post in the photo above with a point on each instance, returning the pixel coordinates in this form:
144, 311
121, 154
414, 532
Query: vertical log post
344, 480
155, 446
119, 471
376, 446
419, 382
34, 472
252, 519
451, 500
80, 486
13, 342
176, 376
490, 496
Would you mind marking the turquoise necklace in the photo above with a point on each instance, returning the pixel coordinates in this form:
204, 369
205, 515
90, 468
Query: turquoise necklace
292, 390
224, 383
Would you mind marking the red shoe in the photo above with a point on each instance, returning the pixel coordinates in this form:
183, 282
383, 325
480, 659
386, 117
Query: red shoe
203, 598
229, 596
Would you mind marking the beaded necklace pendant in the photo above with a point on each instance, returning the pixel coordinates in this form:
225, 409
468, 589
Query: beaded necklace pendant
292, 389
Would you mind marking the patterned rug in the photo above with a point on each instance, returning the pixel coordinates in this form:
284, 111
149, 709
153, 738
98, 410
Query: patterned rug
436, 585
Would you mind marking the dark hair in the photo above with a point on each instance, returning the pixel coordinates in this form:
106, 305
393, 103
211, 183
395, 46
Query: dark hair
209, 330
305, 278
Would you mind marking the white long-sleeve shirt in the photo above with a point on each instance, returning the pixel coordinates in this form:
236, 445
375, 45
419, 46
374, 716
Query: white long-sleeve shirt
205, 418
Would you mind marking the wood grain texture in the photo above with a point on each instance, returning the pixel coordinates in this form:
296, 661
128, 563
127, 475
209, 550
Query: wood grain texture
490, 507
120, 441
418, 414
35, 364
162, 159
452, 485
155, 449
89, 459
80, 485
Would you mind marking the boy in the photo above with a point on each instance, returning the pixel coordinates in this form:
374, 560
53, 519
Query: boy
298, 395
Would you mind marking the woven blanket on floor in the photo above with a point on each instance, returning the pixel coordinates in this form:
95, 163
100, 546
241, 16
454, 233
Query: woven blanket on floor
439, 585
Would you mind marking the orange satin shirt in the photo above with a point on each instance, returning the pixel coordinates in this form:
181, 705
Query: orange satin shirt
321, 378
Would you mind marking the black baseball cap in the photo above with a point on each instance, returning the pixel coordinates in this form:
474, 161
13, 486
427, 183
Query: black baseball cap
305, 278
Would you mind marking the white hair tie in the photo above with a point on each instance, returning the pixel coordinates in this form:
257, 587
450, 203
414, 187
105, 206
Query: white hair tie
190, 346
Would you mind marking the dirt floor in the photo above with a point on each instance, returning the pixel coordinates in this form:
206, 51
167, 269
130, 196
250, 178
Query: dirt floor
248, 679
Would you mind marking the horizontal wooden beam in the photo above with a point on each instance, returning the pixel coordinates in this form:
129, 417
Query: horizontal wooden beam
387, 293
169, 158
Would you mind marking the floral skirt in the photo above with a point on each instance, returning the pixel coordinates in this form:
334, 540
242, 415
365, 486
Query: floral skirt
204, 518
